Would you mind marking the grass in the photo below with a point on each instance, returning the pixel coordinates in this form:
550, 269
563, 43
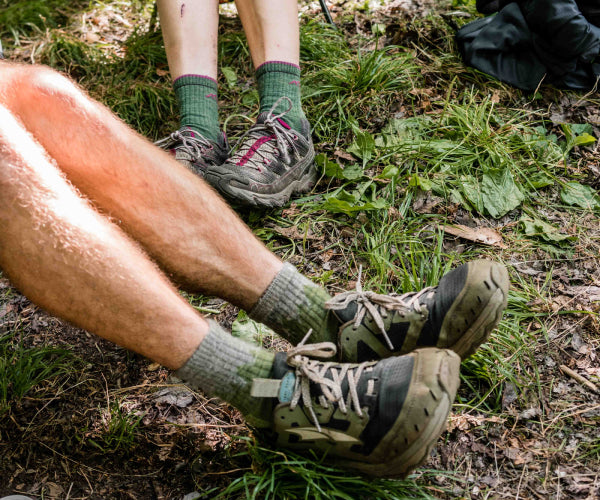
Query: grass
26, 370
277, 474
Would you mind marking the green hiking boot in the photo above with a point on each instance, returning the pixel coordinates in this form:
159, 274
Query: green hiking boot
458, 314
380, 418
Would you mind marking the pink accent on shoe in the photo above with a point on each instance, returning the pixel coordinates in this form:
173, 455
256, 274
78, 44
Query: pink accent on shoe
250, 153
212, 96
295, 82
198, 76
284, 124
279, 62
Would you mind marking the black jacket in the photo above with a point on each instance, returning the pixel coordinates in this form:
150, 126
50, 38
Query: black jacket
531, 40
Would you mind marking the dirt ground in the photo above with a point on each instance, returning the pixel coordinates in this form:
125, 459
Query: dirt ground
57, 442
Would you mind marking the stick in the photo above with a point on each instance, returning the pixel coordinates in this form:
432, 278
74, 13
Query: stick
583, 381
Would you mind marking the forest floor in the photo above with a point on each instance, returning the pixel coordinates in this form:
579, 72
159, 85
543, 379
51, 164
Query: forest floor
425, 164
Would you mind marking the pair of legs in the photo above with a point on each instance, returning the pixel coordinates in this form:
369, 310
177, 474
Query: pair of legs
275, 158
76, 263
92, 221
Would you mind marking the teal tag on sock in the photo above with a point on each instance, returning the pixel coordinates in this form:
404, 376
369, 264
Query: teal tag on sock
286, 389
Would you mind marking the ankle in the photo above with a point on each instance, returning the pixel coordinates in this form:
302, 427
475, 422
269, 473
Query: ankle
278, 79
292, 304
198, 105
225, 366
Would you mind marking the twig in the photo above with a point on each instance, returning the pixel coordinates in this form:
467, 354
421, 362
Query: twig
583, 381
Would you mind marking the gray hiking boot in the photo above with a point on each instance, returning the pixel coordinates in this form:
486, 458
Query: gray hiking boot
458, 314
381, 418
270, 163
194, 151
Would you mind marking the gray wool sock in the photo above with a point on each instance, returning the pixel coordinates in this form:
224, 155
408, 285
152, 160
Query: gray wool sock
225, 366
292, 305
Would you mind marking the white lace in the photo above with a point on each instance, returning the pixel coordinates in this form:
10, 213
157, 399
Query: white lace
373, 303
284, 138
195, 146
310, 370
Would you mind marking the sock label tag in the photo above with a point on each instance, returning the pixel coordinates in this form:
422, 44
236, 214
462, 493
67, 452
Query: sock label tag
286, 390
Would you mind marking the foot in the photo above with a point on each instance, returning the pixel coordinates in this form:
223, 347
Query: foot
458, 314
195, 151
271, 162
381, 418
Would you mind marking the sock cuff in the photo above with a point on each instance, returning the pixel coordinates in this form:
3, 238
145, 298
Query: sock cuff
272, 297
201, 80
292, 305
278, 66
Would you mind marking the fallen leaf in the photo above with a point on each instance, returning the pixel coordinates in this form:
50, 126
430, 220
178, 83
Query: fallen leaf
178, 396
483, 235
343, 155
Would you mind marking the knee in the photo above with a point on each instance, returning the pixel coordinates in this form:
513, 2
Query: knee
22, 85
49, 82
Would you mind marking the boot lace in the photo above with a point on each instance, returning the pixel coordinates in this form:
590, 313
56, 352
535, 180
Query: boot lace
280, 140
195, 145
377, 305
313, 371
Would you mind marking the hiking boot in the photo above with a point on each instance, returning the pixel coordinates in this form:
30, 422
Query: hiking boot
270, 163
458, 314
381, 418
195, 151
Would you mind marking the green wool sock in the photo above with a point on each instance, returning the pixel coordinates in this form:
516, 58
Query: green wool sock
198, 105
225, 366
277, 79
292, 305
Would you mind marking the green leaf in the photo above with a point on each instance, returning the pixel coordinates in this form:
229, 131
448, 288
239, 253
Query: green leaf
420, 182
389, 172
547, 232
335, 170
541, 180
470, 189
249, 330
499, 193
584, 140
344, 202
250, 98
363, 146
230, 75
579, 195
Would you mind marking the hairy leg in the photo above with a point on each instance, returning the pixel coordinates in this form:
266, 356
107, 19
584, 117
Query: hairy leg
272, 29
73, 262
179, 220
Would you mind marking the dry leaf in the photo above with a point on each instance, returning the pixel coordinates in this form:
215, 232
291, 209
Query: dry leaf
484, 235
343, 155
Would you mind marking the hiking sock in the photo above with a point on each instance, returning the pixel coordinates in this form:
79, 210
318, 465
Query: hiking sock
277, 79
198, 105
225, 366
292, 304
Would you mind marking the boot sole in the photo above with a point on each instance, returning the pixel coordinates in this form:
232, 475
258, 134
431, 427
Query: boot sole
303, 184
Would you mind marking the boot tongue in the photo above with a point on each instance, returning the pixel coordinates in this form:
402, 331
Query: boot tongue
347, 314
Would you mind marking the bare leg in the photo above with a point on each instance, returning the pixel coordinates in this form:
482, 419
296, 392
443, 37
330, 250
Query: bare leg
272, 29
180, 221
73, 262
190, 35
